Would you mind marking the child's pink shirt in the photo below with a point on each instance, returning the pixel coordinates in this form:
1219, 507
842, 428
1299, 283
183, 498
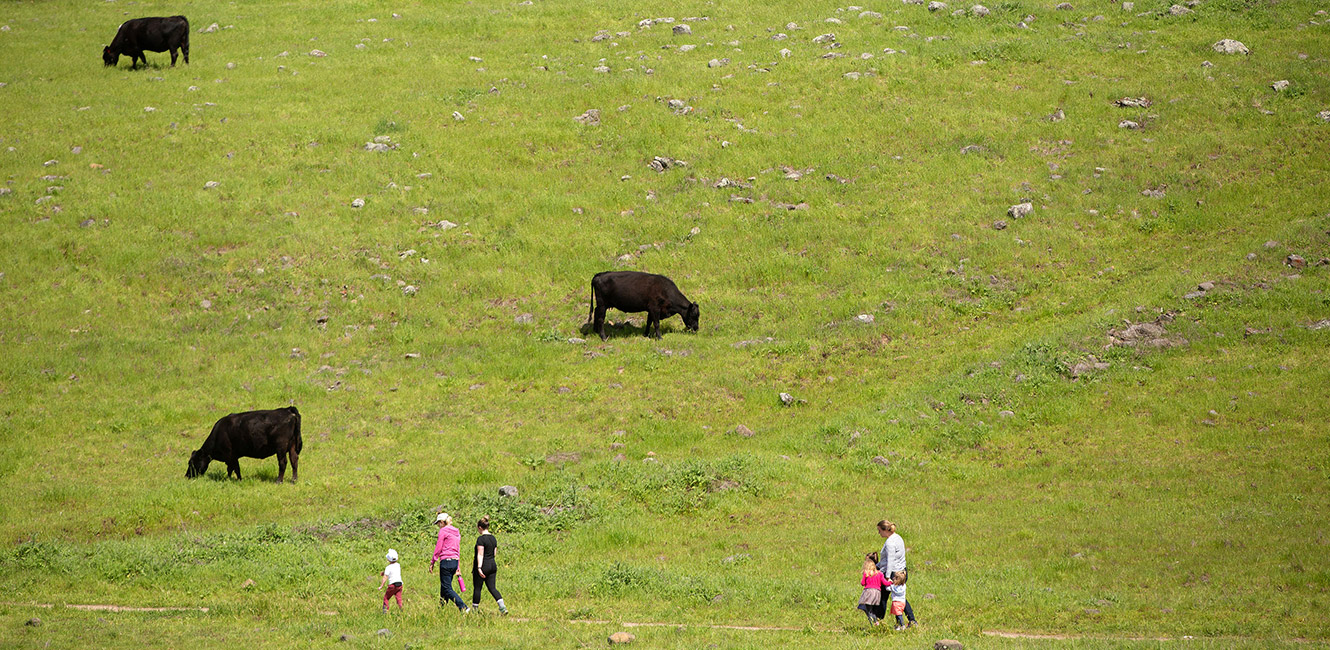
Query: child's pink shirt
875, 581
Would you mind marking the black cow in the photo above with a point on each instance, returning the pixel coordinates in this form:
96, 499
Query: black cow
633, 291
253, 434
151, 34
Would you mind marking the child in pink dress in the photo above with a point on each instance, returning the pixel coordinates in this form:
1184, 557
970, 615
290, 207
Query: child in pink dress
873, 581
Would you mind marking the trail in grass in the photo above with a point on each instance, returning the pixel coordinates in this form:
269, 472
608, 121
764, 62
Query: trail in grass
1005, 634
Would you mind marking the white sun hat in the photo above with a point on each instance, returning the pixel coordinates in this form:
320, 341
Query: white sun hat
392, 555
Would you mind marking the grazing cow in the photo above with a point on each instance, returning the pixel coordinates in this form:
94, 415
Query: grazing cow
253, 434
632, 291
151, 34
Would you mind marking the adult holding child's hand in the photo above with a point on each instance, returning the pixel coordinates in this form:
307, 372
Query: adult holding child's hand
891, 560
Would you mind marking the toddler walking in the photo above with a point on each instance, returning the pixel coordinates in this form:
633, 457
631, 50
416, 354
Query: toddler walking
898, 599
873, 582
392, 576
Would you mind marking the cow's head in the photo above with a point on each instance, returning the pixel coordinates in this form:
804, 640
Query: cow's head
198, 464
690, 317
108, 57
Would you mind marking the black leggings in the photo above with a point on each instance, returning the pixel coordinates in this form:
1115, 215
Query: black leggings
489, 584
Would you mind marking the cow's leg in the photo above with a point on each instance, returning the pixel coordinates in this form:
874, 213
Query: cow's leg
295, 457
184, 49
173, 55
651, 319
599, 325
233, 467
281, 467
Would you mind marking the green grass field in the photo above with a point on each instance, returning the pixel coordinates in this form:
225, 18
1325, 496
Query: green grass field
1048, 477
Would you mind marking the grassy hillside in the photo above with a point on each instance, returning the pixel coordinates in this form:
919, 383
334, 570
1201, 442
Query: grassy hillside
182, 243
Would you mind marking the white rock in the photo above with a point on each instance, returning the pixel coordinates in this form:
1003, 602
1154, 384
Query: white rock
459, 117
1324, 115
209, 29
864, 318
1280, 85
318, 53
687, 48
358, 203
682, 30
446, 225
1128, 124
870, 14
1020, 210
937, 6
211, 184
1230, 46
825, 38
979, 10
409, 290
149, 109
785, 53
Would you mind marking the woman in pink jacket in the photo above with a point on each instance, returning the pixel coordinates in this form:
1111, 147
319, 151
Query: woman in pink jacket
446, 553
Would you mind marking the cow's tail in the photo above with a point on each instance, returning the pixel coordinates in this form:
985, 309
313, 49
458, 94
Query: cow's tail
592, 311
299, 443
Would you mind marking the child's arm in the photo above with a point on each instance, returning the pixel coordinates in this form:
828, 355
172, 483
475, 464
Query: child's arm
383, 580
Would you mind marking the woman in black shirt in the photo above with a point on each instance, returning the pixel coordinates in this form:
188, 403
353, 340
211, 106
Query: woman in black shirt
485, 568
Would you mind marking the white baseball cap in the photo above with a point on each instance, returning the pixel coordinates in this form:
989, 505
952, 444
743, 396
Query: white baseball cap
392, 555
443, 516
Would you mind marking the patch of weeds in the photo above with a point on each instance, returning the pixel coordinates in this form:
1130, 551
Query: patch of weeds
621, 579
960, 435
685, 486
550, 335
388, 125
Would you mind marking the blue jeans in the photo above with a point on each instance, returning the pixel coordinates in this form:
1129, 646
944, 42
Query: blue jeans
448, 569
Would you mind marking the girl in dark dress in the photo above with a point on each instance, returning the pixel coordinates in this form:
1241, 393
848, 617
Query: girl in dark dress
485, 568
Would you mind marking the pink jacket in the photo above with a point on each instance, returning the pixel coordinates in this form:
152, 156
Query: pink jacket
875, 581
449, 545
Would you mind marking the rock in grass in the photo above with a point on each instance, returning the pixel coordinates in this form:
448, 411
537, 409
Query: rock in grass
948, 644
937, 6
1020, 210
1128, 124
881, 460
345, 637
590, 118
1178, 10
743, 431
866, 319
979, 10
384, 632
207, 304
824, 38
787, 399
1295, 261
210, 29
358, 203
1324, 115
211, 184
1280, 85
409, 290
508, 491
682, 30
1064, 6
524, 319
458, 117
34, 622
716, 63
1230, 46
1133, 102
620, 638
999, 225
318, 53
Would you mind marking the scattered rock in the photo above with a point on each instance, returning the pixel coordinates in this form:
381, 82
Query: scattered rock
979, 10
1205, 286
1064, 6
1230, 46
937, 6
247, 584
1128, 124
661, 163
620, 638
34, 622
999, 225
1153, 192
787, 399
508, 491
358, 203
1089, 365
864, 318
824, 38
590, 118
205, 303
950, 644
870, 14
1057, 116
716, 63
523, 319
737, 557
785, 54
881, 460
1271, 244
1178, 10
973, 148
211, 184
384, 632
1006, 414
1280, 86
318, 53
1324, 115
1295, 261
743, 431
1145, 335
409, 290
345, 637
682, 30
87, 223
210, 29
458, 117
1133, 102
1020, 210
576, 341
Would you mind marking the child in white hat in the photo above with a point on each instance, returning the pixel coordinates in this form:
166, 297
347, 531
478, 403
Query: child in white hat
392, 576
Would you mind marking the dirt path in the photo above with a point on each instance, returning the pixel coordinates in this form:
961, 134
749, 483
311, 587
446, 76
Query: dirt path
110, 608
